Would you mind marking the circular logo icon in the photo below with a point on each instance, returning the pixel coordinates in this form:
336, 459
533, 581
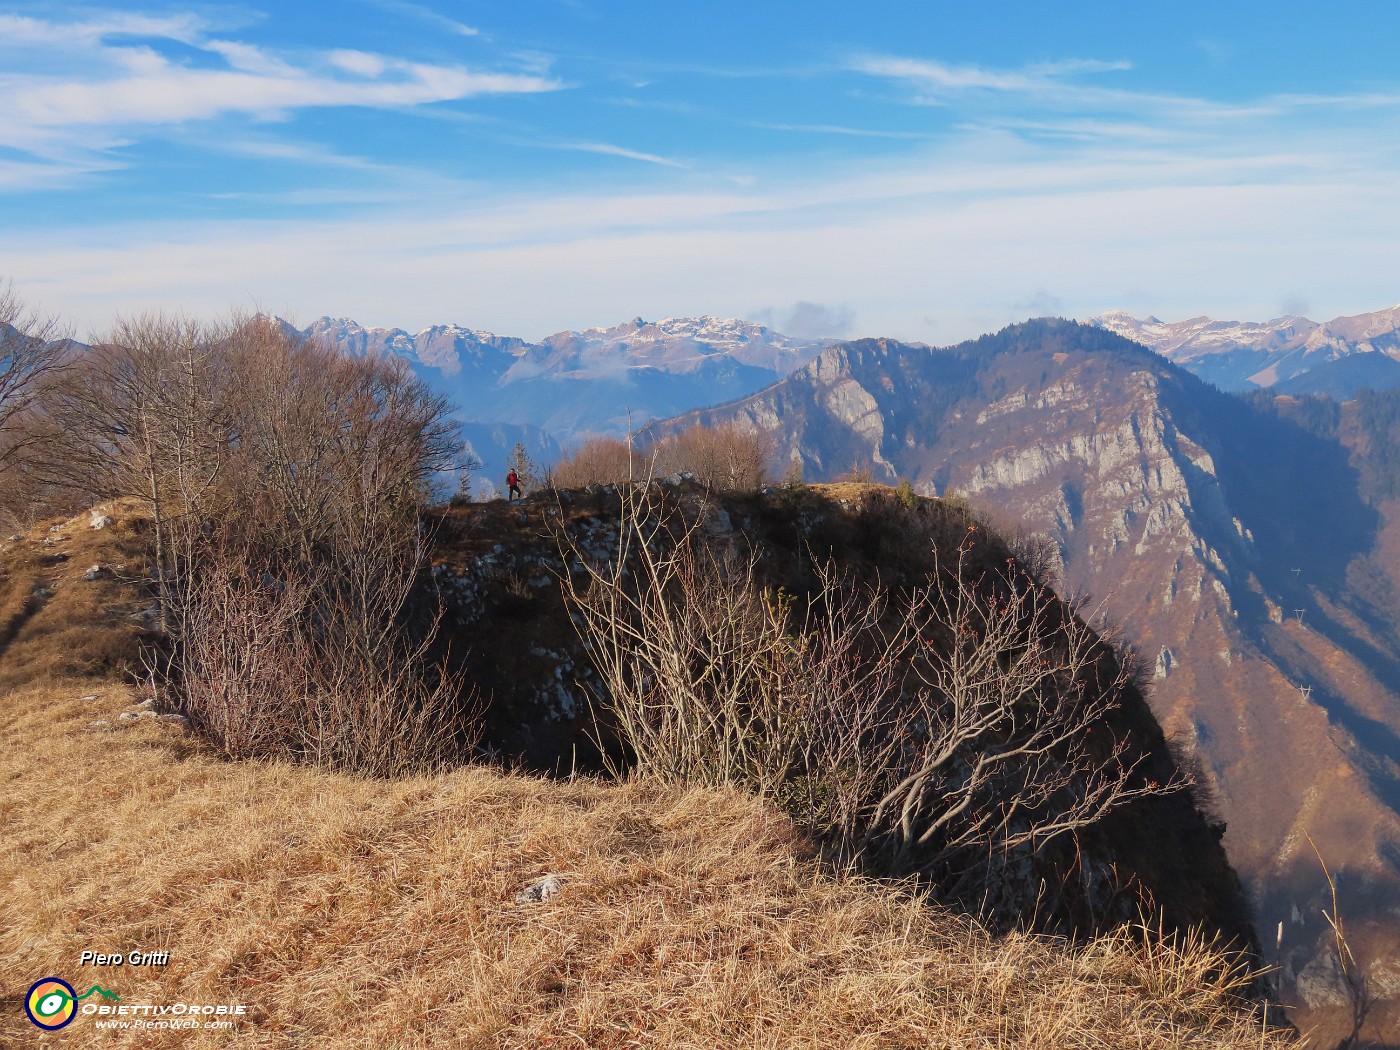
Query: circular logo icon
51, 1003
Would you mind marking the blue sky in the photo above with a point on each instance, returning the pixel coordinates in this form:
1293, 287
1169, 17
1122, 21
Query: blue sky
926, 170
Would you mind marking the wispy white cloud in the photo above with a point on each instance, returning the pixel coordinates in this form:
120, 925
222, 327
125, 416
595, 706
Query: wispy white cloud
942, 76
838, 129
20, 29
1060, 87
968, 233
163, 93
116, 87
426, 14
361, 63
609, 150
1069, 66
1048, 85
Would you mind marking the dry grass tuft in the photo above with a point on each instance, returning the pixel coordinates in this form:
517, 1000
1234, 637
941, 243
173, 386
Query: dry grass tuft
357, 913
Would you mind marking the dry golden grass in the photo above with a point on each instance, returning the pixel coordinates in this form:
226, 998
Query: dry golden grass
53, 623
355, 913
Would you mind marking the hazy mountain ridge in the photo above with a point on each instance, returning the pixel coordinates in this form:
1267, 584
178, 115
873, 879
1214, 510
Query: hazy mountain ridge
1240, 355
1187, 511
571, 384
676, 345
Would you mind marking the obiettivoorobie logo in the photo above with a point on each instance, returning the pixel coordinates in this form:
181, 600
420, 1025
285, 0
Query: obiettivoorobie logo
52, 1003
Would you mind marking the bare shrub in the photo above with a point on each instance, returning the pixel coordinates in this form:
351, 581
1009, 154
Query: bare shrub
245, 678
598, 461
297, 663
285, 481
321, 533
1016, 744
726, 458
1361, 1000
973, 718
711, 679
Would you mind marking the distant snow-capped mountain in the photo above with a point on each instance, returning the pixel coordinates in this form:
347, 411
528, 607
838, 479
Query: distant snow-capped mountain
450, 349
1241, 355
572, 384
678, 345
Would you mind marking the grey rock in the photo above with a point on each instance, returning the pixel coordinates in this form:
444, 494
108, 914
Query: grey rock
94, 573
100, 521
540, 890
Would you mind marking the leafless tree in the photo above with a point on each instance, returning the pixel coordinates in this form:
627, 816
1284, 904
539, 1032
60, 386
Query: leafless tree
525, 468
34, 351
145, 413
597, 461
334, 448
725, 458
285, 480
33, 347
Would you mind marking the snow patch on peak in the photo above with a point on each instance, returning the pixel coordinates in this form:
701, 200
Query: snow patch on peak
1242, 354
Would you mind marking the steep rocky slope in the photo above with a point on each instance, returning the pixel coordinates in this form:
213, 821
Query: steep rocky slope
1233, 544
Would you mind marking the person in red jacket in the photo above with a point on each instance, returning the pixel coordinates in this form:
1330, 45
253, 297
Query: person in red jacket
513, 483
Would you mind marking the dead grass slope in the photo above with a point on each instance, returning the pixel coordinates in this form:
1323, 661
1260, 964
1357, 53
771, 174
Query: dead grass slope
369, 914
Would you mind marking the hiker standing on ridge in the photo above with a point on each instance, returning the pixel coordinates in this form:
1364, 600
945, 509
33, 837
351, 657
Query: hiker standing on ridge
513, 485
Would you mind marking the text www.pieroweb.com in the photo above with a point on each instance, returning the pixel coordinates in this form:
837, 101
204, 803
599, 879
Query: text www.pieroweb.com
186, 1023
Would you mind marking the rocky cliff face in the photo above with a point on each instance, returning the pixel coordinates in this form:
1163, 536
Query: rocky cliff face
1233, 545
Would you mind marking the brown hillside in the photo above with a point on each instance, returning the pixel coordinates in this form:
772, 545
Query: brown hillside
347, 912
